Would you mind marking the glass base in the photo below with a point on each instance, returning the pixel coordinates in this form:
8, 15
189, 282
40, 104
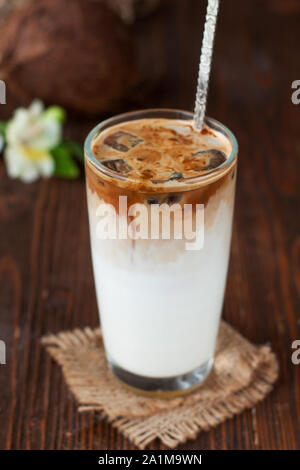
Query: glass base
162, 387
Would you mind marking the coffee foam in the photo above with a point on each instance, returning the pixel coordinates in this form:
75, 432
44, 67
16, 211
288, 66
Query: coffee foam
160, 151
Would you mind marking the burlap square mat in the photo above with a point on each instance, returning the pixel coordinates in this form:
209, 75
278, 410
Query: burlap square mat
243, 374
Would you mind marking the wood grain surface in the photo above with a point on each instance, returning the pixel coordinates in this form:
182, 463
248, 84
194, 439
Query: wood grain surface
46, 282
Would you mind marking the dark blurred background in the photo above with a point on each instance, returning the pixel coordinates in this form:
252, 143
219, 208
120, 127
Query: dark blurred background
79, 55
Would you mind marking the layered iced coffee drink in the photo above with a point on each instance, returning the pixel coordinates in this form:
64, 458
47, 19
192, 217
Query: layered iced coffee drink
160, 199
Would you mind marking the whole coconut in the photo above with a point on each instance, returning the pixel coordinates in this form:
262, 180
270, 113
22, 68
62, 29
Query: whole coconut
75, 53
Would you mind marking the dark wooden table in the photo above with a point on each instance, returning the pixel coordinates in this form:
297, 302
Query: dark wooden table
46, 280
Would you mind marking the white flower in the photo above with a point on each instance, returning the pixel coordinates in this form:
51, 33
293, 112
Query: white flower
28, 164
30, 136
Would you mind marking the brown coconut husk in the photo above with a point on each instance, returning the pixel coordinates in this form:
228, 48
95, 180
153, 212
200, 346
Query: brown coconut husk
128, 10
7, 6
75, 53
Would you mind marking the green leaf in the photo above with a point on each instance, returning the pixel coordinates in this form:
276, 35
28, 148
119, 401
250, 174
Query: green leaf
56, 112
3, 128
65, 167
75, 149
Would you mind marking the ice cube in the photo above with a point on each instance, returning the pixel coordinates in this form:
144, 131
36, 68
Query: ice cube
172, 199
122, 141
119, 165
169, 199
152, 200
210, 159
176, 175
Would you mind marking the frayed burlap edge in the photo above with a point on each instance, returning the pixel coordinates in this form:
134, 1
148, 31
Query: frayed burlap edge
177, 426
243, 375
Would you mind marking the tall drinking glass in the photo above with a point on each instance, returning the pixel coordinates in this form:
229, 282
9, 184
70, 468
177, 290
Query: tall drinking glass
160, 295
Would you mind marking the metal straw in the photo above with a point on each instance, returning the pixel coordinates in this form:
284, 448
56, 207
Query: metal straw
205, 62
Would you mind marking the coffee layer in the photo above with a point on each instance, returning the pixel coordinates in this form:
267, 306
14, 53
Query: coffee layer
155, 151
